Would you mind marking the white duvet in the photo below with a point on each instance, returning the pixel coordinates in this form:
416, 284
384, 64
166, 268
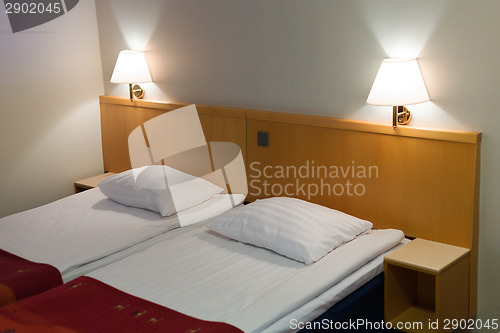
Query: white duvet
88, 226
204, 275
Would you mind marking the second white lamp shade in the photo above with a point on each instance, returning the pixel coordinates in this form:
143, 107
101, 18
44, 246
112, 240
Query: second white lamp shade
398, 82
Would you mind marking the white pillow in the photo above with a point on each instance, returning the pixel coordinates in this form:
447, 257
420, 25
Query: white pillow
158, 188
294, 228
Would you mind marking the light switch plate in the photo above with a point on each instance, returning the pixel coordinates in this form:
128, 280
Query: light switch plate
262, 139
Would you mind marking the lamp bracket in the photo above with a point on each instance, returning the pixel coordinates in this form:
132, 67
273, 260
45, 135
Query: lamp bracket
400, 116
138, 91
404, 115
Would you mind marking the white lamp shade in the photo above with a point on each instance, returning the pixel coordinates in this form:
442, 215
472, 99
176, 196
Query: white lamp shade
131, 67
398, 82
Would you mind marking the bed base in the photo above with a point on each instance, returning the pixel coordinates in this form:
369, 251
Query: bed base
366, 303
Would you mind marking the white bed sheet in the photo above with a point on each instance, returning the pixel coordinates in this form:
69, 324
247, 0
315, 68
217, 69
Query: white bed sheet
204, 275
85, 227
319, 305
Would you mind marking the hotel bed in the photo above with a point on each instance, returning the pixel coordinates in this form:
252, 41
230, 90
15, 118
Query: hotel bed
203, 274
88, 230
177, 181
251, 288
79, 233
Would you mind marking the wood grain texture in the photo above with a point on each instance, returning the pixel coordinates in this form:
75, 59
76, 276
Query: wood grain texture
400, 287
424, 187
422, 288
451, 291
119, 117
427, 183
426, 256
362, 126
91, 182
424, 182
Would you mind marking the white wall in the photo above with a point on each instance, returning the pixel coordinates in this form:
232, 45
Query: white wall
320, 57
50, 82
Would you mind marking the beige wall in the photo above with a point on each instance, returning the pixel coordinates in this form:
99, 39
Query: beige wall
320, 57
50, 82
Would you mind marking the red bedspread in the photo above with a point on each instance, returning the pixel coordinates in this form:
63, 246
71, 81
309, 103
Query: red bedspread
21, 278
88, 305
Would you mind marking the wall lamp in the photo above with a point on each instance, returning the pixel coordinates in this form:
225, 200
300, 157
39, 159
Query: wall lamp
399, 82
131, 67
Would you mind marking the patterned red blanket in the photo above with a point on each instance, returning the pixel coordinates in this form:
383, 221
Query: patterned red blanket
21, 278
88, 305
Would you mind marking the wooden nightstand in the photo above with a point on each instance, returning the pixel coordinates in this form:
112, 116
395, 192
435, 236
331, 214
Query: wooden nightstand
426, 282
88, 183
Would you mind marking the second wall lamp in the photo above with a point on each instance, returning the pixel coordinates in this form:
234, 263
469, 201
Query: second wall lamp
399, 82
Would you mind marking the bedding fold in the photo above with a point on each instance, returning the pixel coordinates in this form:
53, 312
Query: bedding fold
211, 277
21, 278
88, 305
87, 227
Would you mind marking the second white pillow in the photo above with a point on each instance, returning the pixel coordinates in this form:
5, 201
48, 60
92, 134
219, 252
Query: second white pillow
294, 228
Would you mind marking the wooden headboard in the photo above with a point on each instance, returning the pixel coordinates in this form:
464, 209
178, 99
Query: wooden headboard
424, 182
119, 117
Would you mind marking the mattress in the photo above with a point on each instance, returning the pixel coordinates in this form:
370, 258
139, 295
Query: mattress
310, 311
210, 277
86, 227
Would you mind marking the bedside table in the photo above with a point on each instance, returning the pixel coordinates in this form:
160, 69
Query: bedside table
88, 183
426, 282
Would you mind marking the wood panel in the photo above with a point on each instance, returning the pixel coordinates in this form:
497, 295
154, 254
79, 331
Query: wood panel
362, 126
412, 180
120, 116
426, 181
